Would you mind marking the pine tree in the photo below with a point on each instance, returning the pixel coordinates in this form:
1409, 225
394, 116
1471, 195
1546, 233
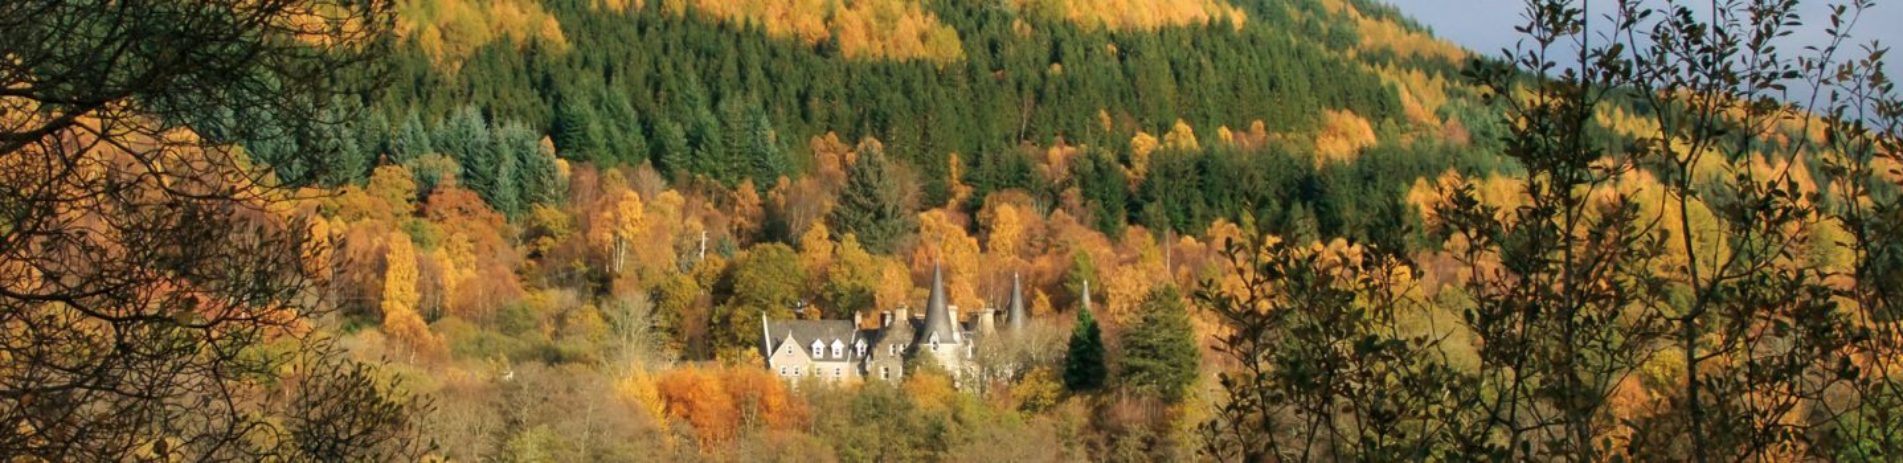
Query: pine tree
1159, 352
870, 206
538, 177
492, 172
670, 145
764, 153
577, 132
1084, 368
411, 140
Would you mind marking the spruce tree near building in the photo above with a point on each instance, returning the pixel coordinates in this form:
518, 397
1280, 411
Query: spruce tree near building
1159, 351
1084, 368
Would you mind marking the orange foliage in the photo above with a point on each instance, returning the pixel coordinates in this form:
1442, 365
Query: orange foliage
713, 400
942, 241
696, 396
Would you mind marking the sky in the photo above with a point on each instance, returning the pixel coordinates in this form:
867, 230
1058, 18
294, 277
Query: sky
1486, 26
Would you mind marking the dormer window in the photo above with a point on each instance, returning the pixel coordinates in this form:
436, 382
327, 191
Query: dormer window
819, 349
839, 349
859, 347
934, 341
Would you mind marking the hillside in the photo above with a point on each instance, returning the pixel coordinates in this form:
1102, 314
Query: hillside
941, 230
701, 163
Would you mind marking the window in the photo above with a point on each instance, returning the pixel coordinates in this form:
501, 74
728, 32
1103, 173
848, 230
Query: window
934, 342
892, 349
839, 349
885, 373
819, 349
860, 347
783, 371
839, 372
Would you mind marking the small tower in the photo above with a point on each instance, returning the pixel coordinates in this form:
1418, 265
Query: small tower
1086, 304
1016, 317
938, 326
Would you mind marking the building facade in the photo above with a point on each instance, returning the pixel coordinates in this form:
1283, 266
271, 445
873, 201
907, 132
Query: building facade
849, 351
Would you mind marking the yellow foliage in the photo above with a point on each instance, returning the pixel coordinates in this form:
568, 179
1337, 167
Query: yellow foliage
394, 185
1343, 135
865, 29
943, 241
638, 390
1137, 14
931, 390
1181, 137
1141, 146
1006, 229
616, 229
955, 174
400, 297
1422, 95
617, 5
449, 30
1379, 34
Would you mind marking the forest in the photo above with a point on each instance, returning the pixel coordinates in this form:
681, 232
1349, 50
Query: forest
1247, 230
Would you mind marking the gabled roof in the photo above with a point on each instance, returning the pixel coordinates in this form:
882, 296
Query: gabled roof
938, 320
804, 332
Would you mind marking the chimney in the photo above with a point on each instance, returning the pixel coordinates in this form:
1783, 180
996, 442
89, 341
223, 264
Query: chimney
855, 320
885, 318
987, 320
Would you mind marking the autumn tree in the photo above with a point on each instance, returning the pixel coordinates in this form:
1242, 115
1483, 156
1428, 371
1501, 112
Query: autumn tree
1313, 334
1863, 131
134, 222
765, 281
400, 300
617, 228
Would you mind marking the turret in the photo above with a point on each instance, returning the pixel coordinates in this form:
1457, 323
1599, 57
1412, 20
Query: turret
1016, 312
938, 317
1086, 304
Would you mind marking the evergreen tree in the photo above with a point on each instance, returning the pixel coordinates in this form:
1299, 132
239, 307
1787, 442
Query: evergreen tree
626, 139
537, 176
870, 206
464, 136
491, 172
1159, 352
577, 132
764, 153
1105, 190
670, 144
1084, 368
345, 160
410, 141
